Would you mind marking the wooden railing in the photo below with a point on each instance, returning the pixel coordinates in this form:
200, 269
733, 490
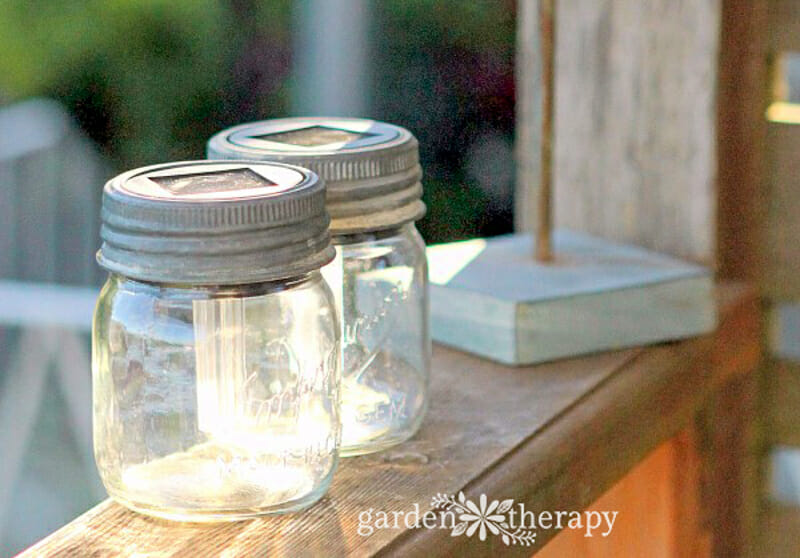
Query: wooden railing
780, 284
553, 437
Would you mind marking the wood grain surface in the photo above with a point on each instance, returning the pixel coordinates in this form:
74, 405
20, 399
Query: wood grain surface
582, 453
554, 436
635, 124
528, 129
783, 381
781, 279
784, 21
741, 135
596, 295
780, 536
663, 493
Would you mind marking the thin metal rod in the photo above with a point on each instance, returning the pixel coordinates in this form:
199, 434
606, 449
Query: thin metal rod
544, 223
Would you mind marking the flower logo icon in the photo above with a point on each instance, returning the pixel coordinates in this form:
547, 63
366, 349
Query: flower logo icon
482, 517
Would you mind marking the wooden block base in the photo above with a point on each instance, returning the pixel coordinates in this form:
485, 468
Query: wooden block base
489, 297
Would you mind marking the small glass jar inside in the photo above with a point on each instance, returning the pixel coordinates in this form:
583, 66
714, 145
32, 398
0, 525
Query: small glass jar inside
379, 276
215, 343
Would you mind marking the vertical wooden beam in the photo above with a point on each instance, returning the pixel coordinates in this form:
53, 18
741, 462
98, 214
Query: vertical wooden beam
783, 390
733, 467
781, 254
741, 104
635, 122
654, 99
528, 77
547, 23
544, 225
743, 93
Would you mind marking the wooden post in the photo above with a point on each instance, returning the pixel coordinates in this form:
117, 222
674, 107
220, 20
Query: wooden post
527, 144
635, 122
544, 225
741, 135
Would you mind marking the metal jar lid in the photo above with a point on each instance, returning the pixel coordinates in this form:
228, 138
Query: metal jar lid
214, 223
371, 169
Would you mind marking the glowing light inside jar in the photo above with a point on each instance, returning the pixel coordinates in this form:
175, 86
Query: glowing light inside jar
257, 454
219, 332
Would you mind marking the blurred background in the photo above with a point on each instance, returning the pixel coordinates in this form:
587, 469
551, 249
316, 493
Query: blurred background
150, 80
89, 89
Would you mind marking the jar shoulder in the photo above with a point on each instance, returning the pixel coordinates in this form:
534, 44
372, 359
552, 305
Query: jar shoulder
136, 304
119, 285
403, 245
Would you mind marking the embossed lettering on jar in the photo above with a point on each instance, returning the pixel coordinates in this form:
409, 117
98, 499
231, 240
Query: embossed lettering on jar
215, 345
379, 276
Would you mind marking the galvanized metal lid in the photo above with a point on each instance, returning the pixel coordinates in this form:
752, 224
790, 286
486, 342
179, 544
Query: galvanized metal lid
214, 223
371, 169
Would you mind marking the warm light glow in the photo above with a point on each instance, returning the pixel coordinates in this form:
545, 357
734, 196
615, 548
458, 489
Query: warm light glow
219, 333
787, 113
260, 449
244, 467
445, 261
361, 400
204, 476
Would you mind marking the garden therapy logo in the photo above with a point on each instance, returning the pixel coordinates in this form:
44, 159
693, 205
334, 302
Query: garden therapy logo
483, 518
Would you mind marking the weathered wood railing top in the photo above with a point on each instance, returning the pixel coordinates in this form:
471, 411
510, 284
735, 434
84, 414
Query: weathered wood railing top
553, 437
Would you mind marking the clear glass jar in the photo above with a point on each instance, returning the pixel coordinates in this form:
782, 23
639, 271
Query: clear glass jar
216, 403
216, 399
383, 301
379, 277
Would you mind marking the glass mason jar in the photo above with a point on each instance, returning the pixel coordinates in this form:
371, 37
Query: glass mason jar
216, 382
379, 276
385, 339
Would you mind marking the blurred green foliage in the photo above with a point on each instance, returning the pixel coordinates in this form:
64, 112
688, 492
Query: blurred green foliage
151, 80
445, 70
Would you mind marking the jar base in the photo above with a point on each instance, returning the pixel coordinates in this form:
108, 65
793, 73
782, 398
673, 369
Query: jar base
378, 445
219, 516
383, 403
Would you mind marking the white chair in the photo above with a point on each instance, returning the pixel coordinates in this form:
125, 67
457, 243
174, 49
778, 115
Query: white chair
51, 180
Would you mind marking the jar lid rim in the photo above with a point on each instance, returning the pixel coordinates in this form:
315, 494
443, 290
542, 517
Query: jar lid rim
371, 168
214, 222
320, 136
